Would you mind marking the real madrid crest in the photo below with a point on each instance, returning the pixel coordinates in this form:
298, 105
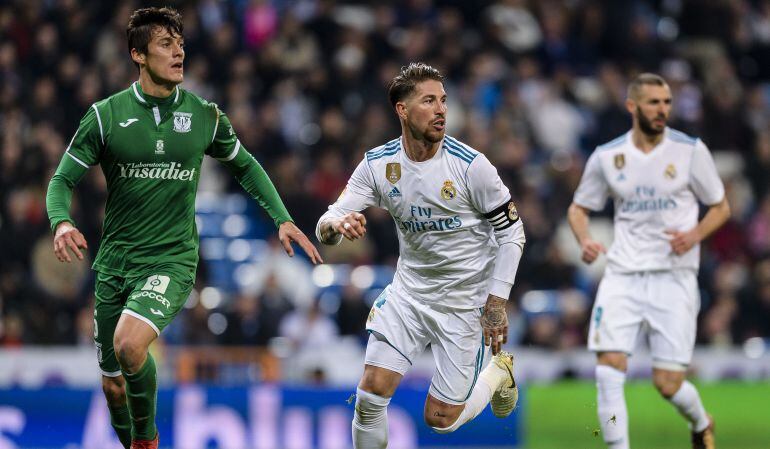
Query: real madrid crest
393, 172
448, 191
670, 172
513, 214
182, 122
620, 161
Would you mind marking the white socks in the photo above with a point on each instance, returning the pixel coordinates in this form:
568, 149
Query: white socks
370, 421
611, 405
490, 378
688, 402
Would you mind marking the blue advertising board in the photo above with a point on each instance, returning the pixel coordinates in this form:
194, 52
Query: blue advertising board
256, 417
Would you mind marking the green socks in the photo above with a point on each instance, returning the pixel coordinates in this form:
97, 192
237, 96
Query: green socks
121, 422
141, 392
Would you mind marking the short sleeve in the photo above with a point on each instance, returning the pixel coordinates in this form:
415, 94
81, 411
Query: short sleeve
704, 179
487, 190
86, 145
224, 143
593, 190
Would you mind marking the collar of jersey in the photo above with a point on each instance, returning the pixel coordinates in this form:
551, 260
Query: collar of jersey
136, 89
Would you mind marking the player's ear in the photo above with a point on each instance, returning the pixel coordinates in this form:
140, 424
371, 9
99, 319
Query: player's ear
630, 106
137, 57
401, 110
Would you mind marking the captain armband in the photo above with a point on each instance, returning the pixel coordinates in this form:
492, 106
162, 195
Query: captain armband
503, 217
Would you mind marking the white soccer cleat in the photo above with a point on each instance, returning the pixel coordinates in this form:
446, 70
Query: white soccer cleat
506, 396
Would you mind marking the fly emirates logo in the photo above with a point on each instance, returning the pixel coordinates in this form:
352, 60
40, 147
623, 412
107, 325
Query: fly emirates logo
156, 170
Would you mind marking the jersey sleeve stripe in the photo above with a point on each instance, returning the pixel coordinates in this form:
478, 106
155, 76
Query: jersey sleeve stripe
76, 159
459, 146
454, 153
99, 120
387, 148
232, 155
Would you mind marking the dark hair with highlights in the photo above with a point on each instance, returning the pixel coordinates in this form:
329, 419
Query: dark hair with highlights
144, 21
650, 79
404, 83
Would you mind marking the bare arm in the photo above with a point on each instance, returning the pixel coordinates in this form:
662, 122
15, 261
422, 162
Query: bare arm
717, 215
578, 218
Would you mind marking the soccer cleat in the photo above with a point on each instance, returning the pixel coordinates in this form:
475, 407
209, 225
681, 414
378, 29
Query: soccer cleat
507, 394
145, 444
705, 438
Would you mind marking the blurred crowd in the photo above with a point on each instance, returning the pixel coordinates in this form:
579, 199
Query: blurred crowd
535, 85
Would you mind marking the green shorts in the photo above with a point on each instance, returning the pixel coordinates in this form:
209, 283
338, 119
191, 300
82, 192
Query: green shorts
155, 296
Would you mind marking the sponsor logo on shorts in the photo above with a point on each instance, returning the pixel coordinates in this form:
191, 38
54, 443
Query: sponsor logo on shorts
597, 320
156, 312
157, 283
148, 294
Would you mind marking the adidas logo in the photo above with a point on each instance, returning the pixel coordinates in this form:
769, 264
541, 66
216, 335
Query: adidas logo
394, 193
621, 177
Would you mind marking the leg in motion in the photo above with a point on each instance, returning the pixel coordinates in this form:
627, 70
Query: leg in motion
611, 401
370, 420
671, 384
132, 340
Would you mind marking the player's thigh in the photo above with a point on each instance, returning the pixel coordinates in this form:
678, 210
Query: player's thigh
110, 295
459, 353
158, 294
397, 332
672, 317
617, 313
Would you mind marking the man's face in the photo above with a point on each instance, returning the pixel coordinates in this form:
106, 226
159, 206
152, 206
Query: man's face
165, 57
652, 108
425, 111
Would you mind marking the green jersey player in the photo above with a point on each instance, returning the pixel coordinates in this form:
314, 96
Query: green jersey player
149, 141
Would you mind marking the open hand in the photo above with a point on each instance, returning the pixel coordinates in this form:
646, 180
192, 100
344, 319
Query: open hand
68, 236
289, 232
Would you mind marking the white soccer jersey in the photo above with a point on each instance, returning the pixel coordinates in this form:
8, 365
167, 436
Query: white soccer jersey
653, 192
452, 213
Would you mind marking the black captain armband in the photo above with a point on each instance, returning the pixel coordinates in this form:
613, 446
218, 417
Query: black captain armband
503, 217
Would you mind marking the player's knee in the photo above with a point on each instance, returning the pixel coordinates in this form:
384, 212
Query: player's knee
378, 385
440, 416
114, 389
441, 423
129, 352
667, 387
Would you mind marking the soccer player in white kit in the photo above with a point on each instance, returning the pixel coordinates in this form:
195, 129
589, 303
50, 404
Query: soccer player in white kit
656, 176
460, 242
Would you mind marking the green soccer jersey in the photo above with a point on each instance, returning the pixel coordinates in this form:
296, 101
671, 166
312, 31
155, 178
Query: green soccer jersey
151, 162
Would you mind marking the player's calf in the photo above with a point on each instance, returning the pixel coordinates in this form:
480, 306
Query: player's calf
114, 389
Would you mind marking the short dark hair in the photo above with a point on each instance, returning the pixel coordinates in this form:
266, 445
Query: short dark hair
404, 83
143, 21
650, 79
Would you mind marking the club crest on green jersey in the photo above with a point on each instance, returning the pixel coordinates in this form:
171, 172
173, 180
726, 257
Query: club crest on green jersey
182, 122
159, 147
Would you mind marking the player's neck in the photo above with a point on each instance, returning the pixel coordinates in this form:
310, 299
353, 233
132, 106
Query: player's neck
419, 150
152, 88
645, 142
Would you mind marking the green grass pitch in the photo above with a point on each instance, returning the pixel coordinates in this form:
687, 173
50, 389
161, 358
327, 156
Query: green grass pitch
563, 415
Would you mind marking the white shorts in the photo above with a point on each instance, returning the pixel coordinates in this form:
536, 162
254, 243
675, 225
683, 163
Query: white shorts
409, 326
666, 302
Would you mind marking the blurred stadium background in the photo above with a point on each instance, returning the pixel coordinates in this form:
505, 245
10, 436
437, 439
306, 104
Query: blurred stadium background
268, 351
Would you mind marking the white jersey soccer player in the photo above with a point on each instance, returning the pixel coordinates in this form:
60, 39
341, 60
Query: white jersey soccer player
656, 177
460, 242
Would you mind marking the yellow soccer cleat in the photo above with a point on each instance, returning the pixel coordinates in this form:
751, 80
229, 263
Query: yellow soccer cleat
506, 396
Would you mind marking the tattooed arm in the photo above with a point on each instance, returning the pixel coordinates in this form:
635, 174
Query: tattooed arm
494, 322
